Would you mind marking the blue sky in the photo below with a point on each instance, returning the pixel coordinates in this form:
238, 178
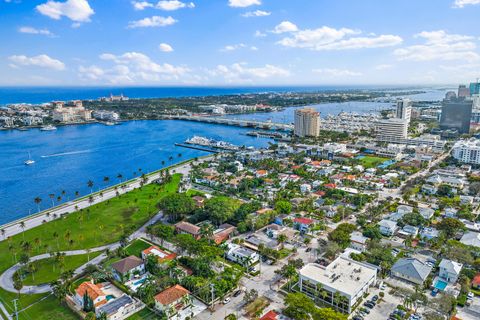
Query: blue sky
239, 42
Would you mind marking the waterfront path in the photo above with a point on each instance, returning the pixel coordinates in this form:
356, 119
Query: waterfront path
6, 279
36, 220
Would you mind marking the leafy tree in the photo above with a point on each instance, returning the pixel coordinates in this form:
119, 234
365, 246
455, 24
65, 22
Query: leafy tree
372, 232
341, 235
176, 206
414, 219
220, 209
87, 303
299, 306
444, 190
328, 313
283, 207
450, 226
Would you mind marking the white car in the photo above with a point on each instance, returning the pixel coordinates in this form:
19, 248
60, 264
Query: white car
470, 295
227, 300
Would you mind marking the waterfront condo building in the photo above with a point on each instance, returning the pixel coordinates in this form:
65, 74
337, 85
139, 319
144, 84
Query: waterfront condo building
404, 109
456, 115
467, 151
71, 112
307, 122
392, 130
341, 284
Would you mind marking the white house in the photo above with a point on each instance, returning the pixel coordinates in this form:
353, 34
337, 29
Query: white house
241, 255
426, 213
358, 241
449, 270
387, 227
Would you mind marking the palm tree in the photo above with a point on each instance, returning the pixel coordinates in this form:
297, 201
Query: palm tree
22, 225
37, 200
55, 236
32, 268
90, 185
206, 230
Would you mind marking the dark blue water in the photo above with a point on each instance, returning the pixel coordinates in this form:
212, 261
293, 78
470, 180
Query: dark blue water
67, 158
48, 94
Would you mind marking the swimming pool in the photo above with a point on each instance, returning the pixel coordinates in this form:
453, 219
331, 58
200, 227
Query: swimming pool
110, 297
440, 285
139, 282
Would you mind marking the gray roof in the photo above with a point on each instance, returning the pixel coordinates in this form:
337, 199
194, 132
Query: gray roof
471, 239
127, 264
112, 307
413, 268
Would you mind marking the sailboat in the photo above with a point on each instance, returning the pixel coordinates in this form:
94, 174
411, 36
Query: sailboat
29, 161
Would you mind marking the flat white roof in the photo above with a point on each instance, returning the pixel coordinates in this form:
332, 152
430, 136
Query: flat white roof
343, 275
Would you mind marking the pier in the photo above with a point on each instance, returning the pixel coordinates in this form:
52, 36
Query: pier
236, 122
196, 147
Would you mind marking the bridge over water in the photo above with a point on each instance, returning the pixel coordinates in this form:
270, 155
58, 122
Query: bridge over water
237, 122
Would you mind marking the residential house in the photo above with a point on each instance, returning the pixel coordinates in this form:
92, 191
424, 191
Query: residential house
387, 227
303, 224
450, 213
429, 233
119, 308
305, 188
476, 282
127, 268
93, 291
261, 173
270, 315
358, 241
223, 232
411, 270
241, 255
184, 227
199, 201
408, 231
162, 255
449, 270
429, 189
172, 300
426, 213
471, 239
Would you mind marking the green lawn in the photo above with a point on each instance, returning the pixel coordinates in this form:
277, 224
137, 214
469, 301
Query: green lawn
371, 161
195, 192
103, 223
47, 271
136, 247
144, 314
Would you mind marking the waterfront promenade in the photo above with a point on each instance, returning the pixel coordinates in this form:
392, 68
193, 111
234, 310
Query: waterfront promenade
16, 227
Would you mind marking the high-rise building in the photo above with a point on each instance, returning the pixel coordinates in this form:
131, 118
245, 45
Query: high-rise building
307, 122
463, 91
404, 109
391, 130
456, 115
474, 88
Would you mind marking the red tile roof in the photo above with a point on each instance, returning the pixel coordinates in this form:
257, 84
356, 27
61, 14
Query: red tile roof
188, 228
476, 280
303, 220
161, 254
270, 315
92, 290
171, 294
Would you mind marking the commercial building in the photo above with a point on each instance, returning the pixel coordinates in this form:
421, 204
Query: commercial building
467, 151
74, 111
307, 122
474, 88
391, 130
343, 282
456, 115
463, 91
404, 109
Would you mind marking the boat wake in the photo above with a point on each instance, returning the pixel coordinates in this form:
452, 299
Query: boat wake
66, 153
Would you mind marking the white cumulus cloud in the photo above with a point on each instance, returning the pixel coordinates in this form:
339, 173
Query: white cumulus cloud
463, 3
32, 30
141, 5
337, 72
285, 26
155, 21
75, 10
240, 72
173, 5
327, 38
439, 45
42, 60
243, 3
256, 13
165, 47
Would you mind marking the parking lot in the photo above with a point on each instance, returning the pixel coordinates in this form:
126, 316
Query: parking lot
384, 307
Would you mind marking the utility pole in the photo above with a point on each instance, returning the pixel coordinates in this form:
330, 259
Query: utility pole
15, 306
212, 289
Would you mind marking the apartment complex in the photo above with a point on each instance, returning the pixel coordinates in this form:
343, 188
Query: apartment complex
404, 109
307, 122
456, 115
341, 284
391, 130
467, 151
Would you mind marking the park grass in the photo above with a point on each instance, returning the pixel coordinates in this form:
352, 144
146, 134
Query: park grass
136, 247
194, 192
371, 161
47, 272
101, 224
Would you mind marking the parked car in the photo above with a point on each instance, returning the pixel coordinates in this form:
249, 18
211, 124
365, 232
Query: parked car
237, 293
375, 298
470, 295
226, 300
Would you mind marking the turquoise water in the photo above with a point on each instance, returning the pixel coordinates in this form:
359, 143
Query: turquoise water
139, 282
110, 297
440, 285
